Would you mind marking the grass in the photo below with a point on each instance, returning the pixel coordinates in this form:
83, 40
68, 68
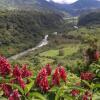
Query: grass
68, 50
50, 53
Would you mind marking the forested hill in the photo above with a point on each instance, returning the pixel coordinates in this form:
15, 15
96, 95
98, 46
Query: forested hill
24, 29
92, 18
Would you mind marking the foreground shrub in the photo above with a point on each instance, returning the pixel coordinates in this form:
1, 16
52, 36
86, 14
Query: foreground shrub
19, 83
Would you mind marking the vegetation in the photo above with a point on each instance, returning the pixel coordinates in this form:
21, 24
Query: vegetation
27, 83
72, 43
20, 30
40, 75
92, 18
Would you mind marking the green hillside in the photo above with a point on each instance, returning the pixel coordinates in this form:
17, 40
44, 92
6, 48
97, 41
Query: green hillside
20, 30
92, 18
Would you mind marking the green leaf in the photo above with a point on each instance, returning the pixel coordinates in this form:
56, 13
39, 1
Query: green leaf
85, 82
37, 95
96, 96
28, 87
1, 79
15, 86
77, 88
96, 86
1, 93
2, 98
67, 97
59, 93
98, 72
53, 89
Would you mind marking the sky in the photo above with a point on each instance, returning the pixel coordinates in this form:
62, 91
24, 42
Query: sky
64, 1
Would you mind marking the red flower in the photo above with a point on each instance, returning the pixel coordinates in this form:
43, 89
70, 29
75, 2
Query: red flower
7, 89
56, 77
59, 73
25, 72
48, 68
41, 75
75, 92
15, 95
87, 96
17, 72
44, 85
41, 80
4, 66
96, 56
87, 76
63, 74
21, 82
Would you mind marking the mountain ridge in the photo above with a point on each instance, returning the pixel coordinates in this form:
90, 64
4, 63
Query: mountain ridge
42, 5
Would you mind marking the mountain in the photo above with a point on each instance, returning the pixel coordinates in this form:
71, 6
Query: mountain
20, 3
80, 6
86, 4
76, 8
90, 19
39, 5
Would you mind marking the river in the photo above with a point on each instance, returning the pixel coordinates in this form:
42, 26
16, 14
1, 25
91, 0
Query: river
41, 44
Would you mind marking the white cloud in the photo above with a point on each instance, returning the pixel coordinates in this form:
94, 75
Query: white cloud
64, 1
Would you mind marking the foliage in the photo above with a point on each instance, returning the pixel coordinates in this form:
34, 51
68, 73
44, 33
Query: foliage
20, 30
21, 83
92, 18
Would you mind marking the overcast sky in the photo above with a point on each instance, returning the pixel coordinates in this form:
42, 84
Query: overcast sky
64, 1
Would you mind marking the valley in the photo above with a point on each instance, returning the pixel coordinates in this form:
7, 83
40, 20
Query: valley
49, 50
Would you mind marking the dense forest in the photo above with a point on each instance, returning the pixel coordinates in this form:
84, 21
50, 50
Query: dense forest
90, 19
24, 29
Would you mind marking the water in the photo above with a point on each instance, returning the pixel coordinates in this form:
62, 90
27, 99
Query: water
41, 44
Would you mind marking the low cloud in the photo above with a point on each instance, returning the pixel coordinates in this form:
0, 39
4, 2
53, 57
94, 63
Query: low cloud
63, 1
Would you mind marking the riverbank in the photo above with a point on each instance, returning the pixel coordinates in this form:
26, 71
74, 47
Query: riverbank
41, 44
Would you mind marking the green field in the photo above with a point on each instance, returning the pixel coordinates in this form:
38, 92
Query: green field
67, 50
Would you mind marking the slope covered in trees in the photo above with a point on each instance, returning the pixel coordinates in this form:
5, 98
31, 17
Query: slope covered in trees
24, 29
92, 18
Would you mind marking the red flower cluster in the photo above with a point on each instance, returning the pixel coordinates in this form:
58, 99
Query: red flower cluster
44, 84
15, 95
87, 76
25, 72
12, 94
59, 73
5, 67
74, 92
16, 71
96, 56
21, 82
7, 89
19, 74
42, 80
48, 68
56, 77
63, 74
87, 96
